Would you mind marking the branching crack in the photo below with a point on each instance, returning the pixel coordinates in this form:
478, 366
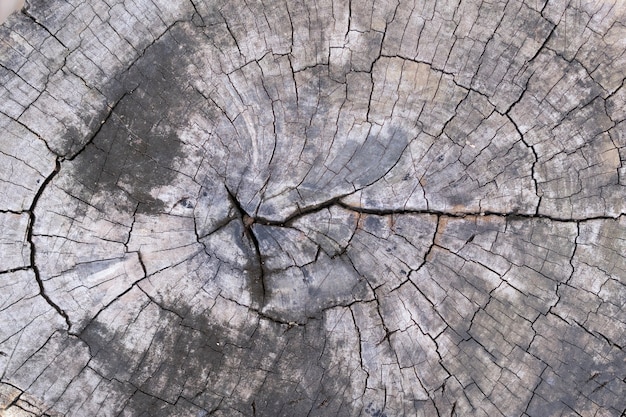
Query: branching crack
248, 223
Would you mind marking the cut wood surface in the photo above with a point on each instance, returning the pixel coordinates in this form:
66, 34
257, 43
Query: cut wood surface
313, 208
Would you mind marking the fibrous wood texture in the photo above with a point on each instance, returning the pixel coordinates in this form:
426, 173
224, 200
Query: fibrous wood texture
313, 208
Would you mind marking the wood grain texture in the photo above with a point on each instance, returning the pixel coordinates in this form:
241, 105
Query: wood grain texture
313, 208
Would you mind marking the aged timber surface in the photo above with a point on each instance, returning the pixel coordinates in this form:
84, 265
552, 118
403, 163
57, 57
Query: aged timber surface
313, 208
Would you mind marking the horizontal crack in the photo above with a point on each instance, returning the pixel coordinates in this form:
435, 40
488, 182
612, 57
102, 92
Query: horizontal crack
461, 214
337, 202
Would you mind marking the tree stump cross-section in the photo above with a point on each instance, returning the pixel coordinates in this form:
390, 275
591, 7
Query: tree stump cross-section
313, 208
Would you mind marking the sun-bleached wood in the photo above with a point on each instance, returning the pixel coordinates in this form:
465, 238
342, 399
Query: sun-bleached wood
313, 208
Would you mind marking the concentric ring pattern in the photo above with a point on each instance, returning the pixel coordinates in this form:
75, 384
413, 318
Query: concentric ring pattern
320, 208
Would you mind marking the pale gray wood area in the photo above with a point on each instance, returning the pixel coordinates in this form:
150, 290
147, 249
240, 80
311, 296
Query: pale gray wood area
313, 208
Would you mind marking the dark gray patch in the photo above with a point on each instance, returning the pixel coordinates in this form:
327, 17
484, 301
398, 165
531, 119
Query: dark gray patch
369, 161
136, 148
578, 375
374, 411
459, 194
303, 382
73, 139
308, 277
129, 155
179, 354
189, 356
376, 157
144, 405
374, 224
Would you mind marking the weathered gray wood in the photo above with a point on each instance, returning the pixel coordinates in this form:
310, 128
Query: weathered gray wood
313, 208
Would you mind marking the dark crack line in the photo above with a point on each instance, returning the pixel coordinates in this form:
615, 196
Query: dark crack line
196, 12
269, 317
461, 215
116, 299
26, 12
248, 222
301, 212
33, 250
99, 129
528, 63
532, 168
